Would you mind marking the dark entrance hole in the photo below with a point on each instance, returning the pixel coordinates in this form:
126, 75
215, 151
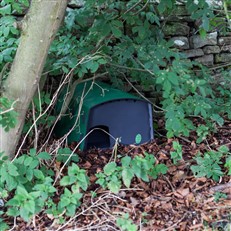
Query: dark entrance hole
99, 137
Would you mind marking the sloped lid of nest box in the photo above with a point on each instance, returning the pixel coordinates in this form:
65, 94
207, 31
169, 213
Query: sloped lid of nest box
93, 94
98, 93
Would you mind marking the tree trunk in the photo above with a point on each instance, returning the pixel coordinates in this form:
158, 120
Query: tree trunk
38, 30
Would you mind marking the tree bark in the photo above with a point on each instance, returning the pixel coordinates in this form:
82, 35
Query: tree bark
38, 30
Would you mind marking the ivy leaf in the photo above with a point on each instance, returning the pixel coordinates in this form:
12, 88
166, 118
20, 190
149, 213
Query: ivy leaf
13, 212
10, 181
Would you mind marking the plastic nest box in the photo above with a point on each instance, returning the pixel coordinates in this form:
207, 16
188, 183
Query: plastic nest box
106, 114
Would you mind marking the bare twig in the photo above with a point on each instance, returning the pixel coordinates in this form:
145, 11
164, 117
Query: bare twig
221, 187
49, 106
161, 109
100, 201
145, 5
133, 7
76, 147
174, 225
169, 183
129, 68
35, 126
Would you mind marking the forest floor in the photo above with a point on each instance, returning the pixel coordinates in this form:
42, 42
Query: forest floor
175, 201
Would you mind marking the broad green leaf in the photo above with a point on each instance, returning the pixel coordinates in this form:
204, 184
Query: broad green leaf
116, 31
13, 212
65, 181
167, 85
114, 186
24, 213
22, 191
64, 202
228, 165
6, 31
71, 210
26, 3
176, 125
38, 174
218, 119
126, 161
30, 206
223, 149
44, 156
127, 175
5, 10
144, 175
12, 169
32, 152
173, 78
29, 174
205, 23
106, 29
110, 168
28, 161
10, 182
117, 23
34, 164
102, 61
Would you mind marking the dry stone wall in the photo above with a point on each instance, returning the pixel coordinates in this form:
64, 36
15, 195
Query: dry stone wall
214, 49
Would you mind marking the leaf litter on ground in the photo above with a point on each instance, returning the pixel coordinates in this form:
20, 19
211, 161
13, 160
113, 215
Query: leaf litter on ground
175, 201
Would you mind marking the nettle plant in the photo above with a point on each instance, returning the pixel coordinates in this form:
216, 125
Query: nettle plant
28, 185
32, 185
210, 163
114, 175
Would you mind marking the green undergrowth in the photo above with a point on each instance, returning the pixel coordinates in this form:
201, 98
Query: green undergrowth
29, 187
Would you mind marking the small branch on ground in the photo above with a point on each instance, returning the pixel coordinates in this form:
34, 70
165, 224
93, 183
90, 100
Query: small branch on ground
221, 187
